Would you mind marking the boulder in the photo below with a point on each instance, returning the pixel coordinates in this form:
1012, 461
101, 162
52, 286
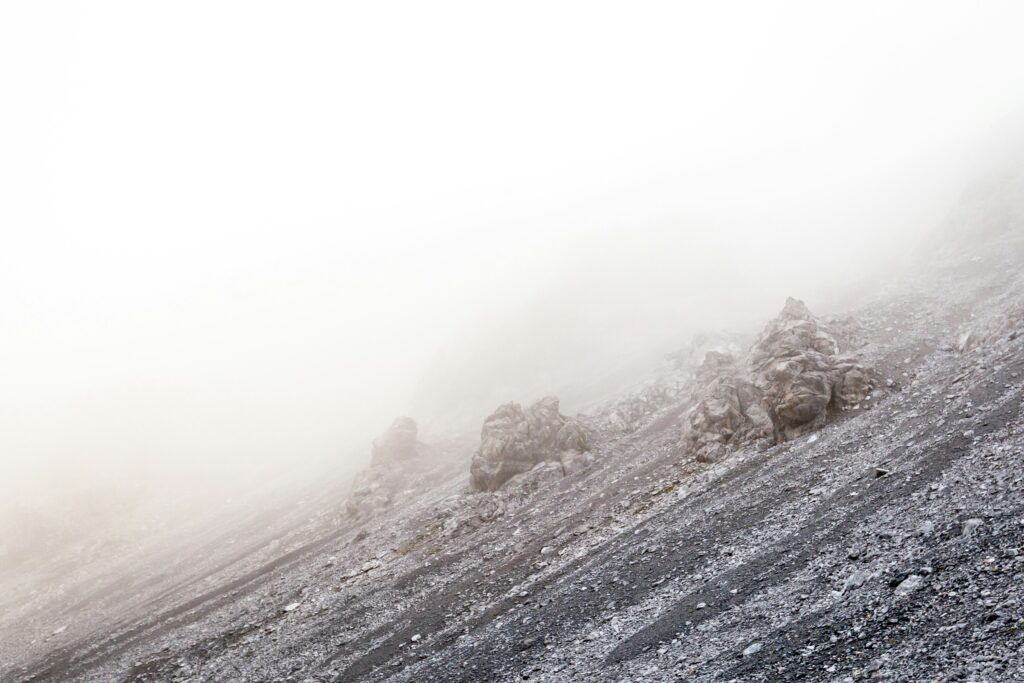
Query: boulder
853, 383
798, 365
793, 378
669, 387
794, 330
629, 414
372, 490
728, 410
391, 455
397, 444
513, 440
797, 390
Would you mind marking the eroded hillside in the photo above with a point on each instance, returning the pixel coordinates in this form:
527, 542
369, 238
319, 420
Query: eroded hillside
817, 499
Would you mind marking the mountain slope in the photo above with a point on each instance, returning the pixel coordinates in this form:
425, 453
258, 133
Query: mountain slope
884, 546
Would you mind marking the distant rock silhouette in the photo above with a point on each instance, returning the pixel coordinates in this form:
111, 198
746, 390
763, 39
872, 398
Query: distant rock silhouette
396, 444
375, 488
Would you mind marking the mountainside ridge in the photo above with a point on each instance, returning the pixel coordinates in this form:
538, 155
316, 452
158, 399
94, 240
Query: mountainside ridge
879, 540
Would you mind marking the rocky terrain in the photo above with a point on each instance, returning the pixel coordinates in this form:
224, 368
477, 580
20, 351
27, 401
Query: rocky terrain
516, 442
815, 499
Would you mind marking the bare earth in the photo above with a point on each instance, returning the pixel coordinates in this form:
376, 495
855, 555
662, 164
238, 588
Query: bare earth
887, 546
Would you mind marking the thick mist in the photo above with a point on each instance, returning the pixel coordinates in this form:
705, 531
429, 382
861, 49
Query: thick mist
239, 238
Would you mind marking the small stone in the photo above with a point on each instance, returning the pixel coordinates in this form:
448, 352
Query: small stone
752, 649
909, 584
290, 607
416, 638
856, 579
971, 525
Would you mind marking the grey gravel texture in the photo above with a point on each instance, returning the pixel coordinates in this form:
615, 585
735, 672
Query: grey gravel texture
886, 545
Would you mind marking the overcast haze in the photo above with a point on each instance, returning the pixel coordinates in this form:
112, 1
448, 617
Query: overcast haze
244, 236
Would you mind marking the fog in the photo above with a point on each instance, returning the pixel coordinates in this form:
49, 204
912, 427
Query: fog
238, 238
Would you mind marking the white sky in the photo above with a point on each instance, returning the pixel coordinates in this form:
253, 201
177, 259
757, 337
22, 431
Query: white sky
238, 231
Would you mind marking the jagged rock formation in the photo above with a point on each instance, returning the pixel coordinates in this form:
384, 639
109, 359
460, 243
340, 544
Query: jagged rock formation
889, 548
396, 444
797, 363
375, 488
793, 378
670, 385
630, 413
729, 410
514, 440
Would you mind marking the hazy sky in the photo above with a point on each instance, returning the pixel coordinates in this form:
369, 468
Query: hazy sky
239, 232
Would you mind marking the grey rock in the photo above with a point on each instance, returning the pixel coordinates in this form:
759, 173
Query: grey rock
394, 461
792, 380
729, 410
797, 364
612, 566
971, 525
909, 584
513, 441
856, 579
396, 444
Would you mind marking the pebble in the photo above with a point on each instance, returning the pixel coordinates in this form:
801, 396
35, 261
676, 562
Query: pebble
909, 584
752, 649
971, 525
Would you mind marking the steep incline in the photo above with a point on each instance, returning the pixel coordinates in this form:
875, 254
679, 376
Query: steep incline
887, 545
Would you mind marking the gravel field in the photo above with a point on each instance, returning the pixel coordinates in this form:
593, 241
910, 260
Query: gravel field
888, 545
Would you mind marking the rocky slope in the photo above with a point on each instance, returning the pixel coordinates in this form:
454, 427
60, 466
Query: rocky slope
833, 500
